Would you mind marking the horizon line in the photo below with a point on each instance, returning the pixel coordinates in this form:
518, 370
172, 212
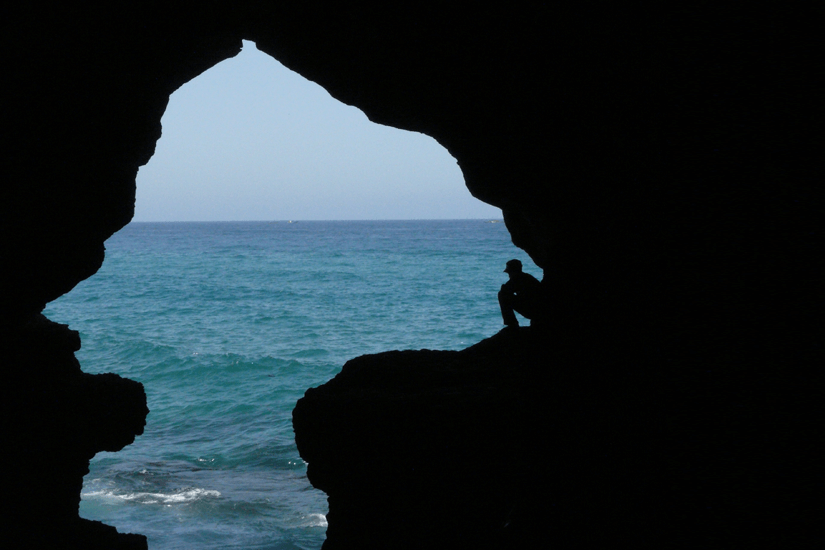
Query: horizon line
325, 220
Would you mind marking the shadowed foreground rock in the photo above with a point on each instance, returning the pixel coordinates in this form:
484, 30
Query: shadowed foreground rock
518, 442
506, 444
418, 449
55, 419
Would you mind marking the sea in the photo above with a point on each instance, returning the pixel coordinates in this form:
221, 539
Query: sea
227, 324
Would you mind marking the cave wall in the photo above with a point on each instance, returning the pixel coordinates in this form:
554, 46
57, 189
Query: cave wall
655, 162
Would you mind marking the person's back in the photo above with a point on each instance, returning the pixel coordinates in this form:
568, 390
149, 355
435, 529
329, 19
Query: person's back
523, 284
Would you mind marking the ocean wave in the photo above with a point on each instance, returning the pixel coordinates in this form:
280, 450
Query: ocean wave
178, 497
315, 520
311, 352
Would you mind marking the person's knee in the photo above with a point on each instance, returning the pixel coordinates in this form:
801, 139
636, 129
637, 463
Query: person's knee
523, 306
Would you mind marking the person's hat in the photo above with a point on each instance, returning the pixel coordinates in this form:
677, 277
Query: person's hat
513, 265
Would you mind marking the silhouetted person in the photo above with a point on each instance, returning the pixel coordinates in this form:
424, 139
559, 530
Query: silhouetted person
522, 294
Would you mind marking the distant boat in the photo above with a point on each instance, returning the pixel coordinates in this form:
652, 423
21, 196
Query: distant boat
494, 221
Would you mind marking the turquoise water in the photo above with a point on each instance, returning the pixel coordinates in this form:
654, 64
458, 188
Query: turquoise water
227, 324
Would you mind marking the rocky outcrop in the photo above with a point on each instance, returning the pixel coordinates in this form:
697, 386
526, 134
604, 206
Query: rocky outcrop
516, 443
55, 419
655, 162
392, 431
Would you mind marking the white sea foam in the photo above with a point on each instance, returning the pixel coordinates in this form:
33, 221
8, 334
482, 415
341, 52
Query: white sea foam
179, 497
316, 520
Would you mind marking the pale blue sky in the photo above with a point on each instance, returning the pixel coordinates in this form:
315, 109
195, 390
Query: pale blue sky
252, 140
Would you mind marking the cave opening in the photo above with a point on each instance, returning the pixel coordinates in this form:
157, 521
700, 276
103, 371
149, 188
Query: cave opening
234, 290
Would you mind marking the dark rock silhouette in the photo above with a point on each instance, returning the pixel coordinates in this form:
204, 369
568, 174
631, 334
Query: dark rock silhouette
387, 435
655, 162
56, 419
